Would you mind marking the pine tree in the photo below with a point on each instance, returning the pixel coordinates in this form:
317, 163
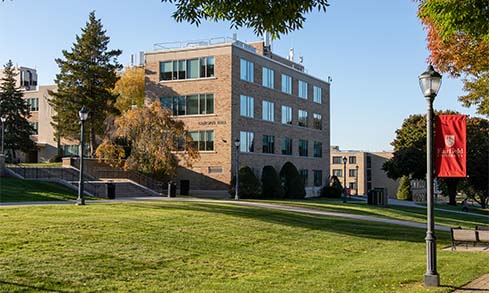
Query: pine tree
404, 189
87, 77
16, 111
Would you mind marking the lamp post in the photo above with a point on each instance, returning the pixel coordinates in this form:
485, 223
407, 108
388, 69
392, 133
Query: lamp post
430, 82
356, 180
3, 119
83, 113
344, 179
236, 189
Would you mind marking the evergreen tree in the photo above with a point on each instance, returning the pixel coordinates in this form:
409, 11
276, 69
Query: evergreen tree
271, 186
87, 77
404, 189
292, 181
16, 111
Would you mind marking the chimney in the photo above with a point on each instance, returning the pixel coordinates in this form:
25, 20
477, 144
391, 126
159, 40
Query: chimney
141, 58
291, 54
132, 60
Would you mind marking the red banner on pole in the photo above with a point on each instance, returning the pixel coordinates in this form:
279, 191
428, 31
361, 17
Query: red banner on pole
450, 146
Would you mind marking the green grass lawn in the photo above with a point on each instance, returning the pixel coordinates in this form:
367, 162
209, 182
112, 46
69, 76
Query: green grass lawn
192, 246
415, 214
18, 190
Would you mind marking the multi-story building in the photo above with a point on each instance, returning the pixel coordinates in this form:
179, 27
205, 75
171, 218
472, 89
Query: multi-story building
26, 78
363, 171
232, 91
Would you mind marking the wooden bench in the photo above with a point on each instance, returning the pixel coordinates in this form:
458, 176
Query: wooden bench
466, 236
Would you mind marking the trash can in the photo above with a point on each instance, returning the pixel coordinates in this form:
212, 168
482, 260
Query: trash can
110, 190
172, 189
184, 187
377, 197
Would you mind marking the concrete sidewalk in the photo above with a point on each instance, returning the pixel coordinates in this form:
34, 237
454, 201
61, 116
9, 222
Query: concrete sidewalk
478, 285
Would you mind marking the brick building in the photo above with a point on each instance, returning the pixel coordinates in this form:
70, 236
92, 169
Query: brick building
230, 90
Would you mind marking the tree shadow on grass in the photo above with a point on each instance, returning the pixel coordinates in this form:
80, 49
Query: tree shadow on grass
350, 227
29, 287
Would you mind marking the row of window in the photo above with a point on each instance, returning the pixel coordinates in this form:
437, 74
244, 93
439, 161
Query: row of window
339, 173
268, 80
189, 105
247, 145
247, 109
33, 104
339, 160
35, 126
187, 68
318, 176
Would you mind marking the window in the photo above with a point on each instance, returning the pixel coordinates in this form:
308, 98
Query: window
214, 169
317, 121
203, 140
369, 175
302, 89
303, 146
268, 112
369, 162
304, 173
268, 78
318, 177
369, 186
286, 115
352, 172
33, 104
302, 118
352, 160
352, 186
338, 172
268, 144
318, 95
189, 105
247, 108
247, 142
187, 68
287, 146
318, 149
286, 84
35, 127
246, 70
337, 160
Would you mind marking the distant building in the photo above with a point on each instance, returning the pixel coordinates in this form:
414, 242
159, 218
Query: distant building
26, 78
231, 90
363, 171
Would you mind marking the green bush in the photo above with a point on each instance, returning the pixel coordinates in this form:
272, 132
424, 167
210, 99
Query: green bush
292, 182
404, 190
270, 182
56, 159
249, 185
333, 190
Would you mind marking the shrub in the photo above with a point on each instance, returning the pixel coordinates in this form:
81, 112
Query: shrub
249, 185
56, 159
271, 186
333, 190
404, 190
293, 183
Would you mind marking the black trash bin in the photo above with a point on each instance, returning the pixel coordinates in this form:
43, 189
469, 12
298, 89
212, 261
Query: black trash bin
110, 190
184, 187
172, 189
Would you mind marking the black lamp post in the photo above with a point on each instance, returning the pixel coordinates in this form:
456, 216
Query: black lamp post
83, 116
236, 189
344, 178
3, 119
430, 82
356, 180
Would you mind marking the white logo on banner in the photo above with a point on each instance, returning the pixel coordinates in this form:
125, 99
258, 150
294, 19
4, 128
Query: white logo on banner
449, 140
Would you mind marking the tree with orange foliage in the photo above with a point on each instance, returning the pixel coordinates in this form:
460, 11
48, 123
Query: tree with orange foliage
156, 141
130, 88
458, 38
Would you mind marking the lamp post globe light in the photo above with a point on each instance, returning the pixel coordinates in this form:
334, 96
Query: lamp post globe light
83, 113
344, 178
236, 188
3, 119
430, 82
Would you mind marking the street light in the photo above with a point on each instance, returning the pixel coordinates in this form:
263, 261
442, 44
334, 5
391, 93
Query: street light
83, 116
356, 180
236, 189
430, 82
3, 119
344, 178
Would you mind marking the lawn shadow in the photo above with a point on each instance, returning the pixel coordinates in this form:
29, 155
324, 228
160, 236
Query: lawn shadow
350, 227
36, 288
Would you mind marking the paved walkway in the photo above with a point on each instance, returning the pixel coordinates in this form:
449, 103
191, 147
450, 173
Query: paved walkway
478, 285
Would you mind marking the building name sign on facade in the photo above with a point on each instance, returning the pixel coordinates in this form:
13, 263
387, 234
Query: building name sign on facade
205, 123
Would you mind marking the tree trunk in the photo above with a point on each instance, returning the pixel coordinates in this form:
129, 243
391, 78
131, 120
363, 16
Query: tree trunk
452, 190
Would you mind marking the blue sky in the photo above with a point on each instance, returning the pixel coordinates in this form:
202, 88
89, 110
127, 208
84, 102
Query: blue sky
373, 50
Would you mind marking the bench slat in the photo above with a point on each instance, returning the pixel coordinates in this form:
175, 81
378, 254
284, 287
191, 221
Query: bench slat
483, 236
464, 235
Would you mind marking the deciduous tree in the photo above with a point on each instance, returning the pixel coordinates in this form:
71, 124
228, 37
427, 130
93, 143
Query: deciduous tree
87, 76
16, 112
130, 88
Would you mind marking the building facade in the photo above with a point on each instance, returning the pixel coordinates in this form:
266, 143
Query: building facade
363, 171
235, 91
